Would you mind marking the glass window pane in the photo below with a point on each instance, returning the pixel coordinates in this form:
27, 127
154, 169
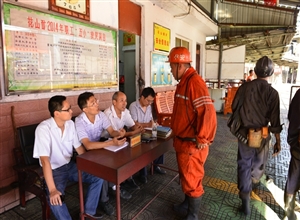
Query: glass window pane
205, 4
177, 42
185, 44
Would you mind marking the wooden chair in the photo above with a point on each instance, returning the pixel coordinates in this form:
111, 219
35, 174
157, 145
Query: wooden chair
164, 102
30, 174
229, 99
170, 100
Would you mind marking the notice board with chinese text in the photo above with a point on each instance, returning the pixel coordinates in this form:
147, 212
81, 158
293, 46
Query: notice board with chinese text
45, 52
161, 38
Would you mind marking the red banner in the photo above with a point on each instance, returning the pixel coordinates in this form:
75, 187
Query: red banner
270, 2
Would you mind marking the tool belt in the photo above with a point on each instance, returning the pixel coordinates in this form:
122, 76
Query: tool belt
255, 136
186, 139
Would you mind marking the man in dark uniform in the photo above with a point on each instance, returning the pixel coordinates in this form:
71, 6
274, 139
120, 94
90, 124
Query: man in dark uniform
260, 113
293, 180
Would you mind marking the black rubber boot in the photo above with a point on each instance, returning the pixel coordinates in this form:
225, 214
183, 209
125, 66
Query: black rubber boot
289, 206
245, 208
182, 208
194, 206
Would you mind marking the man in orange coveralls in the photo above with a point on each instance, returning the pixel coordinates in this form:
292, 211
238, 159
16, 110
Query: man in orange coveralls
194, 126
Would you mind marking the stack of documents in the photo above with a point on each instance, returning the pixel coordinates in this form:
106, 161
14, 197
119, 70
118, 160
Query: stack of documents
163, 131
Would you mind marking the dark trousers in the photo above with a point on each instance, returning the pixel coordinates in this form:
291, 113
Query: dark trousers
159, 160
251, 163
104, 197
293, 179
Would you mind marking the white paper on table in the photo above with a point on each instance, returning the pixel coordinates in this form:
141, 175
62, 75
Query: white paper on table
116, 148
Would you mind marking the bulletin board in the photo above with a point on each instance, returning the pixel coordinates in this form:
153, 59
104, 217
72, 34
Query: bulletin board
160, 70
45, 52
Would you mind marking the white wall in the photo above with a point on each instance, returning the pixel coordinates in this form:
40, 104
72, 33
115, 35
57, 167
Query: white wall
104, 13
153, 14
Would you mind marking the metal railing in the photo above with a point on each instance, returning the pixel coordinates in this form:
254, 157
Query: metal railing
292, 93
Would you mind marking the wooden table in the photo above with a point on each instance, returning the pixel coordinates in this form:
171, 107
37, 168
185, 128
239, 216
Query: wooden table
118, 166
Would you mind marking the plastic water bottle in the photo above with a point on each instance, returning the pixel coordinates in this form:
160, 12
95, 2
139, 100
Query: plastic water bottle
154, 130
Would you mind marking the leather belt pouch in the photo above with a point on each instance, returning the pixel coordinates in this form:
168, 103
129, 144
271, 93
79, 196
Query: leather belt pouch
254, 138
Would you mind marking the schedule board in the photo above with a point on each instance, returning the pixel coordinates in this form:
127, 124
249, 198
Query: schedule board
45, 52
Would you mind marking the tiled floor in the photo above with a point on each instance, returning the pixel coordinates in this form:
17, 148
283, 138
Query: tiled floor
220, 201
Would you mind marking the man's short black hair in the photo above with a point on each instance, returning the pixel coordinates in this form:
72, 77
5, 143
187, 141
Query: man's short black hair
148, 91
56, 104
83, 98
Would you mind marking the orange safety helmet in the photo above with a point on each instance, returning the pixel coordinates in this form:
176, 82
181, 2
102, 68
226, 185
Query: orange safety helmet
179, 55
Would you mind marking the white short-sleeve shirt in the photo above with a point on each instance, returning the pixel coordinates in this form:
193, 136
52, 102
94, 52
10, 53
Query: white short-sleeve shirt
119, 123
50, 142
86, 129
138, 114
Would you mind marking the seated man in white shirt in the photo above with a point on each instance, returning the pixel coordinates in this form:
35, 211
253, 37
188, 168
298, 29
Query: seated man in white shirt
89, 126
120, 117
141, 112
53, 145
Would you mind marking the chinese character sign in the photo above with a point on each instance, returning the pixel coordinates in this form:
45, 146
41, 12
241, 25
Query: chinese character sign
160, 70
48, 52
270, 2
161, 38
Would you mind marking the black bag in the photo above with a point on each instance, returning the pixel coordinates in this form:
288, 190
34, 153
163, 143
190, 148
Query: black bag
234, 122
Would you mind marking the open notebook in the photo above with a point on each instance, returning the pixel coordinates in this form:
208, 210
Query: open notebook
116, 148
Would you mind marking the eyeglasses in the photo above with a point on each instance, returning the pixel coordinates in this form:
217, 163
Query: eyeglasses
66, 110
96, 102
149, 101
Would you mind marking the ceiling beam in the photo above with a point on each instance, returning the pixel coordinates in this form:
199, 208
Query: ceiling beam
260, 5
247, 37
243, 25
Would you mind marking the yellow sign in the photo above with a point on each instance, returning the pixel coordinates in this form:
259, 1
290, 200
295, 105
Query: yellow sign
128, 39
161, 38
135, 140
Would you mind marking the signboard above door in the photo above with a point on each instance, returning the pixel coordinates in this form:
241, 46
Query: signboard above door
161, 38
74, 8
